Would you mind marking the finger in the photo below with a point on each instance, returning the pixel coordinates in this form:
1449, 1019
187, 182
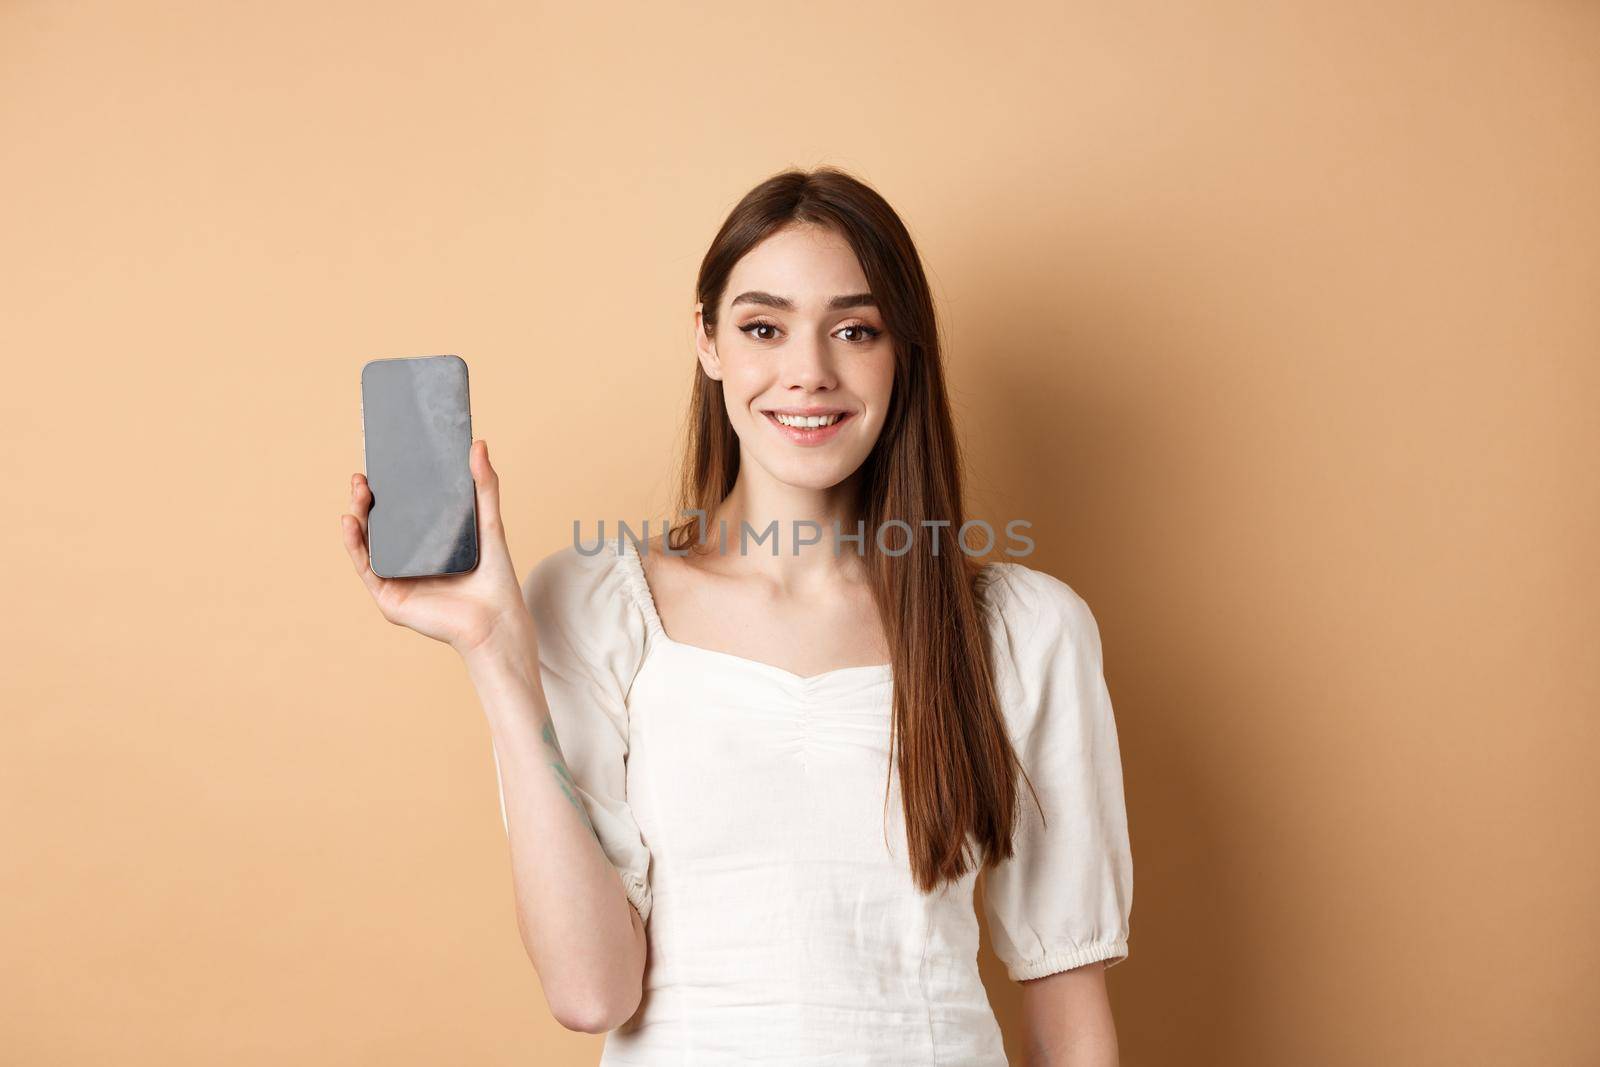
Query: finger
355, 543
488, 485
361, 501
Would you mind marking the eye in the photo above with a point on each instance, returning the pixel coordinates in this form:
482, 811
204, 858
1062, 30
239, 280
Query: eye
749, 328
868, 333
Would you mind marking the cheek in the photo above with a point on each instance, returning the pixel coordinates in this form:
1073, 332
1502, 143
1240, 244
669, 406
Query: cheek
875, 381
742, 382
740, 369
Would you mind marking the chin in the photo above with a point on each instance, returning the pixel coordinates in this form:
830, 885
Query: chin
800, 476
814, 482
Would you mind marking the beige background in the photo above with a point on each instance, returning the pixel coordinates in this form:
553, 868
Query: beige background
1277, 319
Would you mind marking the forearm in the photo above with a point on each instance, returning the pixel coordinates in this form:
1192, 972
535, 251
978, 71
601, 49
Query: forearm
1067, 1020
1092, 1049
576, 922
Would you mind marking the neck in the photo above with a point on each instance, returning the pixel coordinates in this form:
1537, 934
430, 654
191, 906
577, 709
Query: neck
786, 532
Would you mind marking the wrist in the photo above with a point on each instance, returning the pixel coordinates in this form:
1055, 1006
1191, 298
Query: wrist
510, 646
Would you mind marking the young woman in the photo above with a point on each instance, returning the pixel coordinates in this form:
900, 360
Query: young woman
749, 785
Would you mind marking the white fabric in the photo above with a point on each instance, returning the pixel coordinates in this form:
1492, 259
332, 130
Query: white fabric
744, 808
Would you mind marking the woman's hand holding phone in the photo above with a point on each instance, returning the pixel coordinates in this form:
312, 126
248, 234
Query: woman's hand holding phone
476, 612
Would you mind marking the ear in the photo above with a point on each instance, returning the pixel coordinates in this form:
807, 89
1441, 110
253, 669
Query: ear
705, 347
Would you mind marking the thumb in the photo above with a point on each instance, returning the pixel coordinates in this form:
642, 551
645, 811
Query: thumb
488, 485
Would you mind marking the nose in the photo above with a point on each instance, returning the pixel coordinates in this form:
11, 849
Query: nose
807, 365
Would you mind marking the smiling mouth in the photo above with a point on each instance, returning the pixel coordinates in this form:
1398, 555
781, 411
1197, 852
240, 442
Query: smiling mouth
820, 421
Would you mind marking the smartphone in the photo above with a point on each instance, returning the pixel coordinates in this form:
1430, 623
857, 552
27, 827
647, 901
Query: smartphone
416, 427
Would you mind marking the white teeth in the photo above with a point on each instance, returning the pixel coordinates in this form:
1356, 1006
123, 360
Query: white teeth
806, 422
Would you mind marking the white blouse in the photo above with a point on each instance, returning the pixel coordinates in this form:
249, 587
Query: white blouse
743, 807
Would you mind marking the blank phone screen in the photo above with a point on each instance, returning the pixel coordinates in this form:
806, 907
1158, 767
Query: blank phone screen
418, 429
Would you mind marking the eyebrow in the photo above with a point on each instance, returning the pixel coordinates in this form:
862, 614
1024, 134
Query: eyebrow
849, 300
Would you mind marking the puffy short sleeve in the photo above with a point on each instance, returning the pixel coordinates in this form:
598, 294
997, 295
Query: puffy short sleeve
591, 637
1065, 897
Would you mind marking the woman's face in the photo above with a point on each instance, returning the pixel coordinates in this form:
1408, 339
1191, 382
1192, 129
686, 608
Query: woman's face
797, 334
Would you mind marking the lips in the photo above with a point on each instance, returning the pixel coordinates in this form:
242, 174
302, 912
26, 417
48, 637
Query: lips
805, 412
811, 435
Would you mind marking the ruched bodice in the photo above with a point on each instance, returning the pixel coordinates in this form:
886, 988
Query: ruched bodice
754, 823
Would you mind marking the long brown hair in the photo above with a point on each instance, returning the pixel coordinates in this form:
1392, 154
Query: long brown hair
957, 766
